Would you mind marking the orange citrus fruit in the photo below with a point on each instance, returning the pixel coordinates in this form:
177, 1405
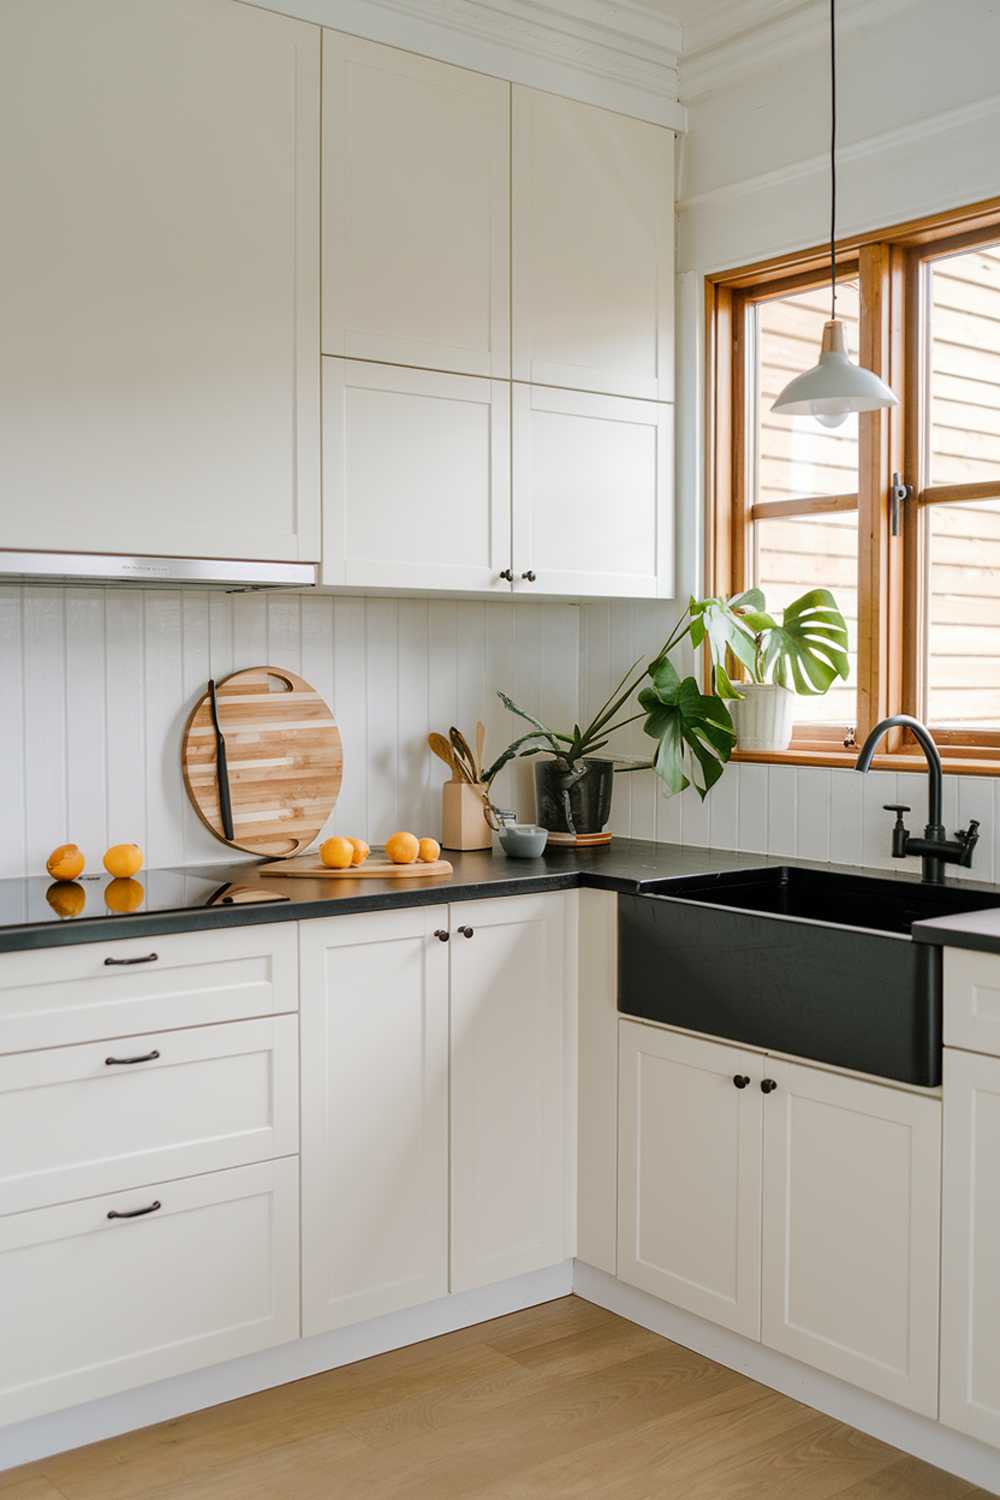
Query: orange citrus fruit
66, 862
124, 894
67, 898
123, 860
430, 850
361, 851
336, 853
402, 848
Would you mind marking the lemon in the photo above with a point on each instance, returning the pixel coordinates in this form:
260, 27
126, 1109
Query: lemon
66, 862
123, 860
429, 851
67, 898
336, 853
124, 894
402, 848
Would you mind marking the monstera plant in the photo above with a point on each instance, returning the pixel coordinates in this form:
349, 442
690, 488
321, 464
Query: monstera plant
803, 651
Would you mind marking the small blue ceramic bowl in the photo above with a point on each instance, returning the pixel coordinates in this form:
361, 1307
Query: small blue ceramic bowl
524, 840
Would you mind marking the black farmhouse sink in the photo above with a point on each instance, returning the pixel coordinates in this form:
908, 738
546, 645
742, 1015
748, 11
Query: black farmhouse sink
809, 962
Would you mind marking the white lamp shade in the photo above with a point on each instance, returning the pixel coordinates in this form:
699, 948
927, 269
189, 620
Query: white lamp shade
836, 385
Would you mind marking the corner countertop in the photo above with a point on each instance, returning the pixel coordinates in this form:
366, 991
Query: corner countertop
200, 898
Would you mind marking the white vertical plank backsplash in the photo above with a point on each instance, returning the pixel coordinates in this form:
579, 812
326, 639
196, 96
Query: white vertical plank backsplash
100, 683
809, 812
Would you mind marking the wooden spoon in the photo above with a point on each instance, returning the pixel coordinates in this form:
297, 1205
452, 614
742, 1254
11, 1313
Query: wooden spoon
462, 755
443, 751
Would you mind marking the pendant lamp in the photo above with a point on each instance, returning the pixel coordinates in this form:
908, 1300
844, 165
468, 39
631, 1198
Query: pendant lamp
835, 386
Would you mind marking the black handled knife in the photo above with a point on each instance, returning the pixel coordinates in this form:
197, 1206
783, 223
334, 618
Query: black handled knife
221, 767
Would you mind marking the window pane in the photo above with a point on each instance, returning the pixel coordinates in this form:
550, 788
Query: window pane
963, 613
796, 457
964, 302
808, 552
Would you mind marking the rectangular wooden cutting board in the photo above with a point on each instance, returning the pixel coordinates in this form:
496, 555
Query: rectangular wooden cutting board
311, 866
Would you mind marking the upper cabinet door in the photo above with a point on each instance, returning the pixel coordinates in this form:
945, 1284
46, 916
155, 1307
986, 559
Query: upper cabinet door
593, 261
416, 220
593, 494
159, 375
417, 478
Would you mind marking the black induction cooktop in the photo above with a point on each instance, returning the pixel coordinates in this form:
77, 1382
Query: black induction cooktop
96, 897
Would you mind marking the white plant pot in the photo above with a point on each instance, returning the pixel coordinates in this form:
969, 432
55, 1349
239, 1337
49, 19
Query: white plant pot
764, 718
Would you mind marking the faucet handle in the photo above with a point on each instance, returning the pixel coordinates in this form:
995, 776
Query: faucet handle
899, 808
900, 833
968, 838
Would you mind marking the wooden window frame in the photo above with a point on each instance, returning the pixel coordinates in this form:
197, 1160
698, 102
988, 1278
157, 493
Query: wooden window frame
888, 264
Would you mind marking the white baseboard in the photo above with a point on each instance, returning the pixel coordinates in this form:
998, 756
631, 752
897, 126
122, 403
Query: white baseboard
42, 1436
919, 1436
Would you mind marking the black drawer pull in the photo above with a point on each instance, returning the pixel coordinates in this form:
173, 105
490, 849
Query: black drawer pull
126, 1062
740, 1080
148, 958
768, 1086
441, 934
134, 1213
467, 932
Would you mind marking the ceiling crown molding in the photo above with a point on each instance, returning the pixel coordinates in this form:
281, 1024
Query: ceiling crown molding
746, 36
621, 54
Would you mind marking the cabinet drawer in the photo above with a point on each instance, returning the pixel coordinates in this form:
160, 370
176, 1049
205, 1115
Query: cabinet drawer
107, 1116
972, 1001
91, 1305
57, 996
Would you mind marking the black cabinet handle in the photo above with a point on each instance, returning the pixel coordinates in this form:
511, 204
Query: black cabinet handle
740, 1080
467, 932
507, 574
134, 1213
441, 935
148, 958
768, 1086
126, 1062
530, 576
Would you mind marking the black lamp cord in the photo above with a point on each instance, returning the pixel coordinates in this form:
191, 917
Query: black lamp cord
833, 159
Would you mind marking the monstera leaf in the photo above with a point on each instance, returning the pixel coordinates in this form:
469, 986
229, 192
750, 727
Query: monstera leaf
723, 624
807, 652
694, 732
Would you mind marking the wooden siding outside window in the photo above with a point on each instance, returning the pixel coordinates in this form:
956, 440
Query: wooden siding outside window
794, 505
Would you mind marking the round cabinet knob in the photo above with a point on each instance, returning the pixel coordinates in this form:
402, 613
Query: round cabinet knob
740, 1080
768, 1086
467, 932
530, 576
441, 935
507, 574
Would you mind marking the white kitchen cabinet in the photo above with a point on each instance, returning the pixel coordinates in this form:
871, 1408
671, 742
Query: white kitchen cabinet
592, 248
193, 1101
417, 478
416, 217
374, 1023
510, 1155
690, 1174
970, 1279
592, 494
852, 1213
91, 1304
972, 1000
159, 368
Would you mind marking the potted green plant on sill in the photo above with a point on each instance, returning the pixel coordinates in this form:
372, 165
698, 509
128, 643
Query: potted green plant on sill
804, 652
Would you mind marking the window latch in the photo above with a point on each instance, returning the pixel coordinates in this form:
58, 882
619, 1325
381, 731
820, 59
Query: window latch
898, 495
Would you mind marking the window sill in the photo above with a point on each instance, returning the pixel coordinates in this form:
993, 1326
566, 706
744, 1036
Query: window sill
846, 760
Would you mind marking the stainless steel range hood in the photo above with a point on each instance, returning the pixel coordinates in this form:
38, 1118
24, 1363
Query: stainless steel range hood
230, 574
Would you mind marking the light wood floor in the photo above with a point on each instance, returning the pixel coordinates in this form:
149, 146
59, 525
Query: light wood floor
563, 1399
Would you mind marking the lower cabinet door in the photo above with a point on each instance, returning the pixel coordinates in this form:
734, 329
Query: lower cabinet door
690, 1142
509, 1088
110, 1293
852, 1214
374, 1022
970, 1272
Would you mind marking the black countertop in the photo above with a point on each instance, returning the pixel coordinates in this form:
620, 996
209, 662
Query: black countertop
205, 897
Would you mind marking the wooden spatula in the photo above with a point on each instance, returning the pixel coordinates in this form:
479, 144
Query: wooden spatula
442, 749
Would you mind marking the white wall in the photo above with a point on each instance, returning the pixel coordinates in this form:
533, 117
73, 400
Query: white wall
919, 132
99, 684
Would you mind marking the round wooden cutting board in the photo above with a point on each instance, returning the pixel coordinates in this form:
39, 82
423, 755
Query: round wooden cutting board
285, 760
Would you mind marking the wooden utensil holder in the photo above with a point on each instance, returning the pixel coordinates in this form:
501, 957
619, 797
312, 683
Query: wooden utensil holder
463, 816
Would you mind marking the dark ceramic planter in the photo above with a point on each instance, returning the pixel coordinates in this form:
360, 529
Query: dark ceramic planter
574, 801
